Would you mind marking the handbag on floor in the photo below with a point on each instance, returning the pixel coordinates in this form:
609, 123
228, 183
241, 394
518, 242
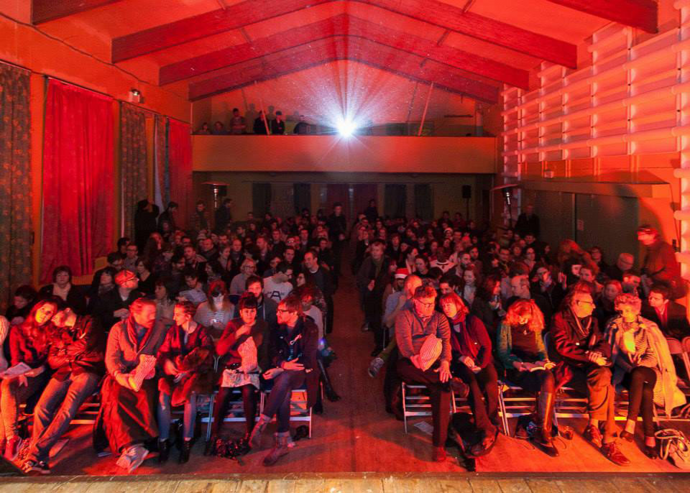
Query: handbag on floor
674, 446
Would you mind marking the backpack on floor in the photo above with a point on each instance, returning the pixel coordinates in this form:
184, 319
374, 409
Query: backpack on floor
674, 446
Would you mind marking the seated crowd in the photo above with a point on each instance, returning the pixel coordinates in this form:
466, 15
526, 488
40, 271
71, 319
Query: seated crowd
244, 307
456, 309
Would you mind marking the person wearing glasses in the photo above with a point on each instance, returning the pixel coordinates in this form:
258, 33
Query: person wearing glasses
423, 337
584, 358
292, 354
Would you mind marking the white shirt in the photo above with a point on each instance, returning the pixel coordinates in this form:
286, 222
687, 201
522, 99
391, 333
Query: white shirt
277, 291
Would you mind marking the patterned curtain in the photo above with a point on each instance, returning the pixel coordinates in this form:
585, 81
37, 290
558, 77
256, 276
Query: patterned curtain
133, 166
15, 181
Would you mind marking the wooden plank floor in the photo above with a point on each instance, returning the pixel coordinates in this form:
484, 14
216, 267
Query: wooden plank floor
356, 435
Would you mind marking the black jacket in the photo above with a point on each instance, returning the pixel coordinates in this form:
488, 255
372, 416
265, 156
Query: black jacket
78, 349
109, 303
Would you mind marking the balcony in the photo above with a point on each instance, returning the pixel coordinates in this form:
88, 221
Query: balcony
331, 153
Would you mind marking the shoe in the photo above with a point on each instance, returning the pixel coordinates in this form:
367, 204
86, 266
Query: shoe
163, 451
12, 448
593, 436
184, 453
485, 445
132, 458
279, 449
35, 468
543, 435
375, 367
439, 454
259, 427
460, 388
613, 453
628, 437
651, 451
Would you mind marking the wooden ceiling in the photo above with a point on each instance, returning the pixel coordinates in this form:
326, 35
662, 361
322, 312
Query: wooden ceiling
206, 47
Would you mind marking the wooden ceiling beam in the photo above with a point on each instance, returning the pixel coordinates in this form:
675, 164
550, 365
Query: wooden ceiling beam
344, 25
341, 48
49, 10
642, 14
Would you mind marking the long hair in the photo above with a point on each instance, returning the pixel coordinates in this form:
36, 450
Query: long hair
525, 308
32, 330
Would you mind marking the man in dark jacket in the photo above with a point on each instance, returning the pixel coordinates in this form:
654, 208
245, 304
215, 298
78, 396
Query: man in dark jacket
671, 317
337, 230
372, 278
223, 216
293, 354
584, 358
322, 279
76, 357
528, 223
660, 265
145, 222
114, 305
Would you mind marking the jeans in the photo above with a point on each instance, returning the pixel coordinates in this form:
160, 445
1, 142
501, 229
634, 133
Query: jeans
483, 383
641, 382
438, 392
55, 410
278, 402
163, 413
11, 395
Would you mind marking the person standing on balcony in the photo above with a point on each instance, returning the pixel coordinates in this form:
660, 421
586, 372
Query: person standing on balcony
278, 125
260, 124
238, 125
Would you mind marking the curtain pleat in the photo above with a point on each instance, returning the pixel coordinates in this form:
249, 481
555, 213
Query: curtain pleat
15, 181
77, 178
180, 169
133, 165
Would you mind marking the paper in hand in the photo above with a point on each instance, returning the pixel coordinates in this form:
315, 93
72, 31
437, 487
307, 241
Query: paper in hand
16, 370
147, 363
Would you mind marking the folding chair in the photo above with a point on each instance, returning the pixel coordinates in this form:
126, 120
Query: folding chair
418, 403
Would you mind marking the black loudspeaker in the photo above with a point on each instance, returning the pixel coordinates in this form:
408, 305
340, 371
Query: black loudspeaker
466, 191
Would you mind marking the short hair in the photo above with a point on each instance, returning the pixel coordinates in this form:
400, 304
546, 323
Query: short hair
283, 267
251, 280
114, 257
661, 289
140, 303
380, 243
627, 299
123, 241
292, 303
172, 205
424, 291
456, 300
337, 204
235, 109
187, 307
614, 282
190, 272
450, 278
62, 268
247, 302
279, 113
27, 292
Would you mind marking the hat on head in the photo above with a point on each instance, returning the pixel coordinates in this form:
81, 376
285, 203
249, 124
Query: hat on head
124, 276
401, 273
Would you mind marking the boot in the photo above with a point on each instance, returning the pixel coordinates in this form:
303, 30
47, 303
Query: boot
543, 434
163, 451
184, 451
279, 449
259, 427
331, 394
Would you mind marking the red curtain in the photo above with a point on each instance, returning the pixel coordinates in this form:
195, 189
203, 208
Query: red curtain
180, 166
78, 163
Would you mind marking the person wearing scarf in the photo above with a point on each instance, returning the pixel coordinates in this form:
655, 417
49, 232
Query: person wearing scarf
128, 413
293, 359
472, 365
186, 359
642, 364
522, 353
584, 356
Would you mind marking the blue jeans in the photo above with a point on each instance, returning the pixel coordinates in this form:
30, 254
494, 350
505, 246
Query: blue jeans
55, 410
164, 418
278, 402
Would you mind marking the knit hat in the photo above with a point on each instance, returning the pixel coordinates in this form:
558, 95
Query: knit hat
401, 273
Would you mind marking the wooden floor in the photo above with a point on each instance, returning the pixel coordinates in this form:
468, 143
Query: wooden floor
356, 435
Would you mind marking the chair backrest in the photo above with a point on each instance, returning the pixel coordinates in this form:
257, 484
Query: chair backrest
675, 346
685, 343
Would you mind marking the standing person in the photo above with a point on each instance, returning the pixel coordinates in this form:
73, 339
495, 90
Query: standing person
522, 352
128, 412
660, 265
278, 125
473, 365
302, 127
145, 222
642, 364
243, 353
261, 124
168, 217
337, 230
76, 357
372, 278
322, 280
199, 221
238, 124
29, 344
186, 360
423, 338
223, 216
528, 223
585, 357
293, 359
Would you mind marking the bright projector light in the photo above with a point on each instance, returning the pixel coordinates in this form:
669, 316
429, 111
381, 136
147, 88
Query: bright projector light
346, 128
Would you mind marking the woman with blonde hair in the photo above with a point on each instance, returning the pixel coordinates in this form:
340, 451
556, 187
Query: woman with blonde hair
523, 354
643, 364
